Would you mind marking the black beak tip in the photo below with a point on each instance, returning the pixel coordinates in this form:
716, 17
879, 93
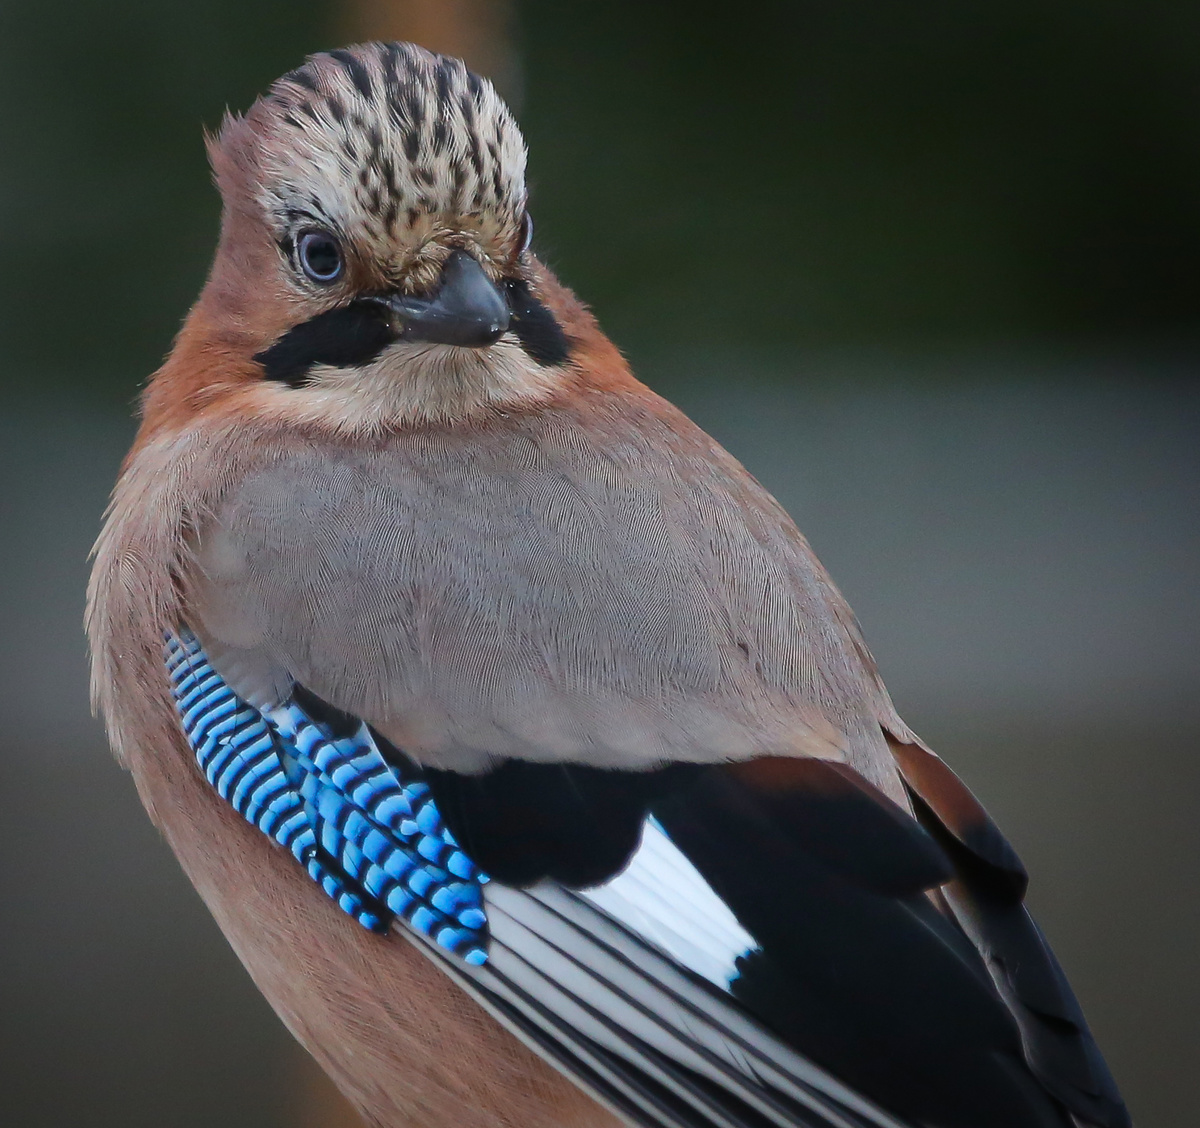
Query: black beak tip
493, 332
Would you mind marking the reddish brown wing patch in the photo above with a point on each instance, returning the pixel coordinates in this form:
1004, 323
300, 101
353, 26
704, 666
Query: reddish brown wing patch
950, 801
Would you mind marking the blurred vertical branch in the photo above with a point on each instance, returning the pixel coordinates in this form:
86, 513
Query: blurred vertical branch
478, 31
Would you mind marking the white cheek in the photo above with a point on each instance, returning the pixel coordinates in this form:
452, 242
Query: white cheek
412, 383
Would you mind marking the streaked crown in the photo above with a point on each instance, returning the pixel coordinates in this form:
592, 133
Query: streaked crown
389, 145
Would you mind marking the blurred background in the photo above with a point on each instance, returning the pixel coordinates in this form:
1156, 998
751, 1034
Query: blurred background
931, 270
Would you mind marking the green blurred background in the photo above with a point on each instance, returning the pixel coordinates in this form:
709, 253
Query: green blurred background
932, 270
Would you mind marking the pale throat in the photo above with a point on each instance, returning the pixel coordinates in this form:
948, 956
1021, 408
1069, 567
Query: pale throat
412, 383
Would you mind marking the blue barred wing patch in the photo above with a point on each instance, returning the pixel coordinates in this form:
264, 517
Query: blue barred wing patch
371, 839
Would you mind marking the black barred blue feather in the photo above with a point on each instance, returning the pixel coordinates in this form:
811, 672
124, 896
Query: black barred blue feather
373, 840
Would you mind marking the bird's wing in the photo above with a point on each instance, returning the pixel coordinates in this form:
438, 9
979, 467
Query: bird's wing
987, 900
699, 945
639, 1027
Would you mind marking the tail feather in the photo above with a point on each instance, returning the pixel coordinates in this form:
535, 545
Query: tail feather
986, 900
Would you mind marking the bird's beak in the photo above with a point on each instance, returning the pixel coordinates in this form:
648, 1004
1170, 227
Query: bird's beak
466, 308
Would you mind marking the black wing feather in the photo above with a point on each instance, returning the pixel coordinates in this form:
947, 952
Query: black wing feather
666, 1048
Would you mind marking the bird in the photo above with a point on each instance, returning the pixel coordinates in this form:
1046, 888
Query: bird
514, 736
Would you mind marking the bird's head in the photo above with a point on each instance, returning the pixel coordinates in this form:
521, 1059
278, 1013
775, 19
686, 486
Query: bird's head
374, 266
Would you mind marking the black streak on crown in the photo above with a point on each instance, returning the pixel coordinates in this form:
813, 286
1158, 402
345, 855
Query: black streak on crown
432, 103
358, 73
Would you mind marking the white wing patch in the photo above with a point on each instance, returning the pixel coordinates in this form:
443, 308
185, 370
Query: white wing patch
661, 896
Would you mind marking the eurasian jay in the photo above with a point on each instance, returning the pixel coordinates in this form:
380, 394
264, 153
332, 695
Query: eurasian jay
514, 736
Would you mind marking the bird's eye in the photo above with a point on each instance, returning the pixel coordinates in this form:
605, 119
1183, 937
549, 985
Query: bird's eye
320, 256
526, 232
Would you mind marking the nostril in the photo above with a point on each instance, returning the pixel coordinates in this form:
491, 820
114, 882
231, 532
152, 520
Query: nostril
466, 308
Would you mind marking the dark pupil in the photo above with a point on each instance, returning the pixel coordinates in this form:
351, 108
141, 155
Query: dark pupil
320, 257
